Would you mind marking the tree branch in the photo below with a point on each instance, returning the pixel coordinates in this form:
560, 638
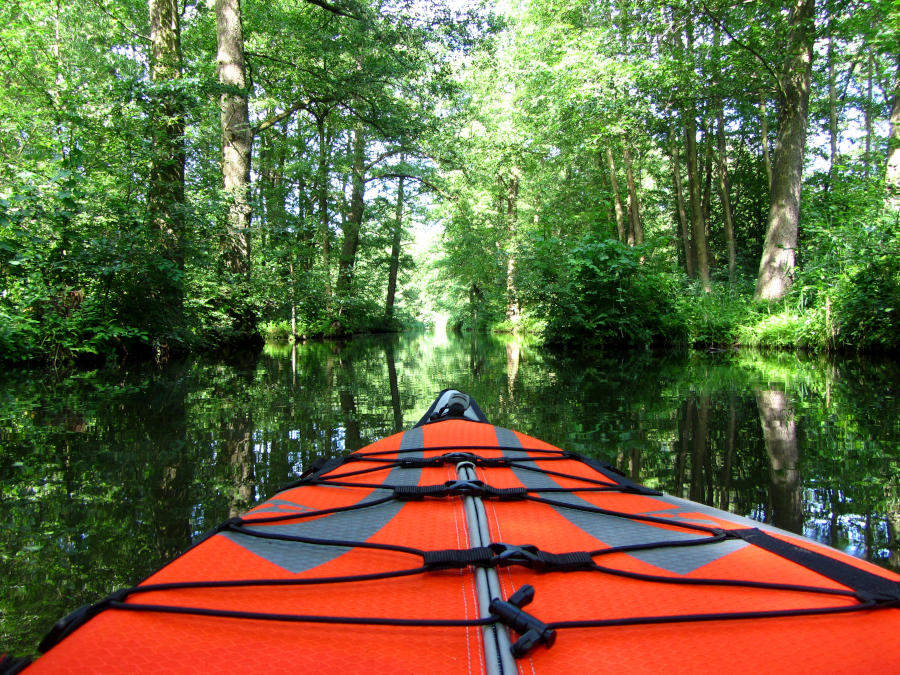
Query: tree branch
384, 155
119, 21
756, 55
334, 9
423, 181
275, 119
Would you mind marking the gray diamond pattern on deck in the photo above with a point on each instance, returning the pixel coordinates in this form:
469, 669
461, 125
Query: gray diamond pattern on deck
615, 531
356, 525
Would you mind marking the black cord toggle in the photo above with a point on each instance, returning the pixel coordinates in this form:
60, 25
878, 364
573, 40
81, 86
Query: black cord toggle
531, 630
458, 558
504, 555
458, 488
452, 458
532, 557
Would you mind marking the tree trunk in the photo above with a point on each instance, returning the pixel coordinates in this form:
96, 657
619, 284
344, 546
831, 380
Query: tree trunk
636, 229
707, 177
512, 217
780, 435
892, 170
165, 197
730, 445
393, 385
353, 222
237, 449
698, 226
349, 411
513, 354
832, 111
685, 428
682, 215
867, 162
613, 181
700, 439
322, 194
764, 136
776, 266
237, 136
395, 253
725, 188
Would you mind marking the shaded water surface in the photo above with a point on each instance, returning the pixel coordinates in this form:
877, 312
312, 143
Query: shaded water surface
107, 475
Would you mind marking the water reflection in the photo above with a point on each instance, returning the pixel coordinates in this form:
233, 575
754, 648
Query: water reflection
107, 475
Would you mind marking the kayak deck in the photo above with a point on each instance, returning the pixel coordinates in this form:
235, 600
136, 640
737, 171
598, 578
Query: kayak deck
458, 546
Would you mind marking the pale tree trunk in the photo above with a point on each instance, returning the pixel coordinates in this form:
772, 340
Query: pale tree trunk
237, 136
724, 183
636, 229
322, 195
353, 221
513, 353
698, 224
165, 197
725, 188
707, 177
512, 217
395, 252
237, 448
776, 266
892, 170
832, 111
867, 163
610, 212
730, 445
273, 197
614, 182
764, 137
682, 215
780, 435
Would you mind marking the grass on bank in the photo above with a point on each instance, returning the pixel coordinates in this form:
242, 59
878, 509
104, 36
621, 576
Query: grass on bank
727, 316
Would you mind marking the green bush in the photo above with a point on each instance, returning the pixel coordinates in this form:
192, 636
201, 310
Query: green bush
865, 306
276, 331
715, 317
609, 294
786, 329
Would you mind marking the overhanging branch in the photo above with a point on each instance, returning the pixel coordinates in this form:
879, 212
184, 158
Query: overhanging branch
423, 181
756, 55
334, 9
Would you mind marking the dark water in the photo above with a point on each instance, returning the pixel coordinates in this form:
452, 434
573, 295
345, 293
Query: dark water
107, 475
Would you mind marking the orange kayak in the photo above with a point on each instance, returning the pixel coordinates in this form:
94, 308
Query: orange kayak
459, 546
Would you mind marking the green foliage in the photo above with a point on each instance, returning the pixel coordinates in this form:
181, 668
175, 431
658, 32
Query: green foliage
562, 86
276, 331
606, 293
714, 318
866, 305
784, 329
508, 121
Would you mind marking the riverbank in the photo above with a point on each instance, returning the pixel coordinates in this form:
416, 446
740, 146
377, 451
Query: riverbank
681, 314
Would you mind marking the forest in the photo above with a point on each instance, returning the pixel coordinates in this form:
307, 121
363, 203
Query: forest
186, 175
